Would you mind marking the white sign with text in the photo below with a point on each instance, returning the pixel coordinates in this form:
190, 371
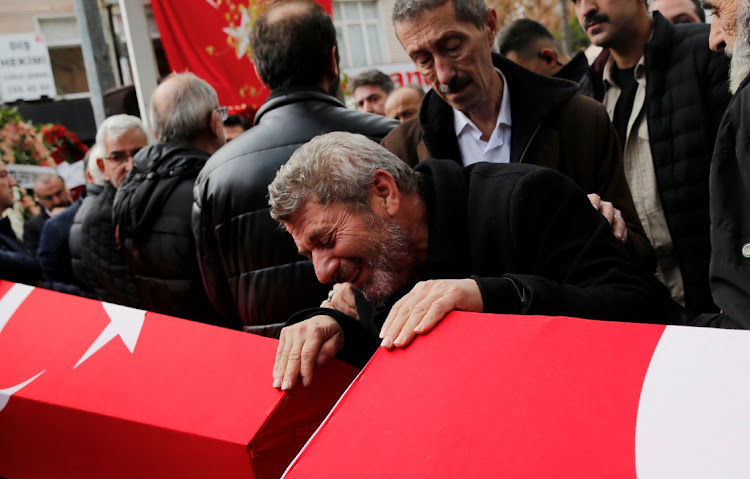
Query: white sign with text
25, 68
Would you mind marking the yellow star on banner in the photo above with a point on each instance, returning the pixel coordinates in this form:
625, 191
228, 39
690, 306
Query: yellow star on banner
241, 33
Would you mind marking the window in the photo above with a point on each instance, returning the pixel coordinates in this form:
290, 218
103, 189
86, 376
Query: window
358, 33
64, 45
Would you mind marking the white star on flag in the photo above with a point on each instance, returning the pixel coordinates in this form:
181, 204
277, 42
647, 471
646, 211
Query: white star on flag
241, 33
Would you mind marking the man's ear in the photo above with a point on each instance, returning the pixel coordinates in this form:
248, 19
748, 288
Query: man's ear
100, 164
333, 64
549, 56
490, 24
385, 196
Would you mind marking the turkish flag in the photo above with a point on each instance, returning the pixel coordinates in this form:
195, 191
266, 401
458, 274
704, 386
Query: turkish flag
540, 397
210, 39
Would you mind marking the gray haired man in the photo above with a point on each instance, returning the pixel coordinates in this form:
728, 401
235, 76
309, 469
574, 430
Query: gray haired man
152, 208
417, 244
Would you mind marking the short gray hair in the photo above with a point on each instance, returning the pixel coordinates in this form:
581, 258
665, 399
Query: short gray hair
184, 115
474, 11
118, 125
336, 167
95, 152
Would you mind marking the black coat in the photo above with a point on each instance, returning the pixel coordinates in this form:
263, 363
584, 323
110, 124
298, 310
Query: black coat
250, 267
74, 239
494, 223
32, 231
53, 252
16, 263
686, 96
107, 270
730, 217
152, 210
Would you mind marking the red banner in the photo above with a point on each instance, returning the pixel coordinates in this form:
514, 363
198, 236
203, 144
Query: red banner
210, 39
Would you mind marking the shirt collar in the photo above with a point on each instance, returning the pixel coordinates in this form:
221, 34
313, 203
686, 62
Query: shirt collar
640, 71
461, 122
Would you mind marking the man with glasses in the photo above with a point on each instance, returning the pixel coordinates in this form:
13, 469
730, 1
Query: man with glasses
107, 270
53, 196
152, 208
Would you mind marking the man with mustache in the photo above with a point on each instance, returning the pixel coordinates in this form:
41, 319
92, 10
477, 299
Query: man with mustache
417, 244
483, 107
665, 92
730, 175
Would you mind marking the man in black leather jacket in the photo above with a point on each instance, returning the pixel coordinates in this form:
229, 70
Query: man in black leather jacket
250, 268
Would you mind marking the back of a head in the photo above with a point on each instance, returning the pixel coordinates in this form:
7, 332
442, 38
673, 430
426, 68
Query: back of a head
373, 77
523, 36
180, 108
473, 11
117, 125
292, 42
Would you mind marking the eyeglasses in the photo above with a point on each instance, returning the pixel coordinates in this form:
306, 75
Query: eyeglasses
122, 156
223, 113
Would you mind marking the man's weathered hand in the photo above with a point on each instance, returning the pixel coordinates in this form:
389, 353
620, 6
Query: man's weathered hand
425, 306
302, 347
613, 216
342, 300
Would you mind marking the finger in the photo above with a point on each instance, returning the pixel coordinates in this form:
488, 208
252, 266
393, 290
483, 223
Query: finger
282, 353
308, 358
595, 200
398, 315
619, 228
291, 371
417, 313
607, 210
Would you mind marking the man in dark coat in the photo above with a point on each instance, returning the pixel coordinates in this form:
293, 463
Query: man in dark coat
250, 269
481, 239
152, 208
107, 270
666, 93
483, 107
730, 175
53, 197
16, 263
54, 251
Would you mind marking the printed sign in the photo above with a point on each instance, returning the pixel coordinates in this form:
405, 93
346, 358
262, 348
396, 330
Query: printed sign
25, 68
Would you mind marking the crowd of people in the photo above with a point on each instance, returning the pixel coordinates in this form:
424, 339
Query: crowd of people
607, 185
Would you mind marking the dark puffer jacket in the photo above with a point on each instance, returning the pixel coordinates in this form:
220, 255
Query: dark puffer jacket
152, 213
686, 96
251, 268
107, 271
74, 239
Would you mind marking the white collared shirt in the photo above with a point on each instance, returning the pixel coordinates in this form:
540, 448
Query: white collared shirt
473, 148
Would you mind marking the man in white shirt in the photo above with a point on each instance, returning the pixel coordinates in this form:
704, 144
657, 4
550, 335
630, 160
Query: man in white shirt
483, 107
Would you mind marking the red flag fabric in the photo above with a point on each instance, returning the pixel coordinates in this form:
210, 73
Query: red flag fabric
210, 39
538, 397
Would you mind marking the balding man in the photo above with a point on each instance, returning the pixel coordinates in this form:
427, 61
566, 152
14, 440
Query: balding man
403, 103
153, 205
53, 196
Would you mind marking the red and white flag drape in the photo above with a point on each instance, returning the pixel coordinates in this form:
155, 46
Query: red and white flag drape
210, 39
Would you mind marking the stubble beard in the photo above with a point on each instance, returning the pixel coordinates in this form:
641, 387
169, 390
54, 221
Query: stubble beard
390, 258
